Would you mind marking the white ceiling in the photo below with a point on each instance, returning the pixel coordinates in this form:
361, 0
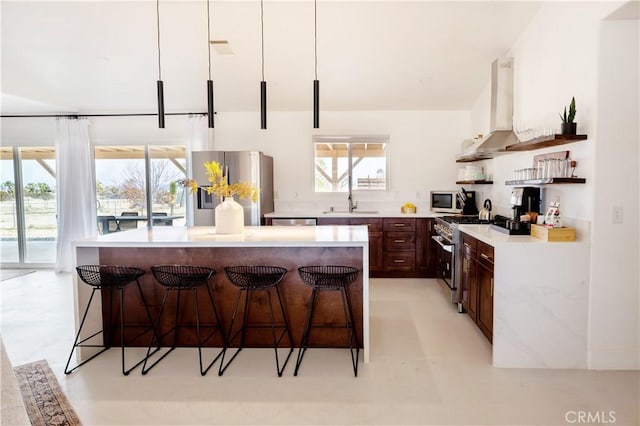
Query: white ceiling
101, 57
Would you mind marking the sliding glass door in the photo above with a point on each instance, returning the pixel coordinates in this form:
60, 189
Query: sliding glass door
28, 206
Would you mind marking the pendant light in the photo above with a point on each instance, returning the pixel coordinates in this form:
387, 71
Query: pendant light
210, 111
263, 84
316, 82
159, 82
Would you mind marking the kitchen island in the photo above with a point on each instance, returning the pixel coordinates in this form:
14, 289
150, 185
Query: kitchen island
540, 300
289, 247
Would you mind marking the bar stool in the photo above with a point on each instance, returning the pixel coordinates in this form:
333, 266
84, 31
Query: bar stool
250, 279
110, 278
329, 278
179, 279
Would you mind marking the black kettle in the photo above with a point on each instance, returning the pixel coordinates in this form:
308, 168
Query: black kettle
485, 213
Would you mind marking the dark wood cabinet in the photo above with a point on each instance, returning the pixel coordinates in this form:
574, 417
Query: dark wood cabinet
426, 249
398, 247
374, 226
477, 281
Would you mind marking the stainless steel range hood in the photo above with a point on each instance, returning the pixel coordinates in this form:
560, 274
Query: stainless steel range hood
501, 119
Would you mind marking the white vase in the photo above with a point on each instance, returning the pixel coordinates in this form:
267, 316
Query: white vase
229, 217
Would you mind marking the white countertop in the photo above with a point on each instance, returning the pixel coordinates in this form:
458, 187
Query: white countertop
356, 213
253, 236
492, 237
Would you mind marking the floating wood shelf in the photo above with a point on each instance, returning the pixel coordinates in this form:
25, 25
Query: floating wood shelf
545, 142
474, 182
547, 181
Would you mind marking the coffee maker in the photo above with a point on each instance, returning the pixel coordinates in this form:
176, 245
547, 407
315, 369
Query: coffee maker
524, 199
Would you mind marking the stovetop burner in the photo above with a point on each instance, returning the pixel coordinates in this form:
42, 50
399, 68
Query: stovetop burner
465, 220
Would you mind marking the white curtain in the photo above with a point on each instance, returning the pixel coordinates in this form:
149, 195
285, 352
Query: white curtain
200, 139
75, 188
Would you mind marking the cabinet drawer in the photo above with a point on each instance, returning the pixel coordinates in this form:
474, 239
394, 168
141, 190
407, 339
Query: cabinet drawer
485, 255
469, 243
374, 224
399, 224
400, 261
399, 241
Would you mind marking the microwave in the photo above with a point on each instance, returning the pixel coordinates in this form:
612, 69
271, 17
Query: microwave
445, 202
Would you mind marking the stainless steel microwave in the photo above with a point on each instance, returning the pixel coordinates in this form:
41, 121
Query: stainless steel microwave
445, 202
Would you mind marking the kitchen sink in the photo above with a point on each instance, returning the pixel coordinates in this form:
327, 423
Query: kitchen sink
341, 212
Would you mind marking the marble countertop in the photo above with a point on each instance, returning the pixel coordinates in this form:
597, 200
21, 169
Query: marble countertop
356, 213
253, 236
492, 237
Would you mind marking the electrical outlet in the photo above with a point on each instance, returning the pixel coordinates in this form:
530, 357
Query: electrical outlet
616, 215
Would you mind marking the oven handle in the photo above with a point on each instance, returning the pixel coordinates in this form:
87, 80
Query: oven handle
446, 247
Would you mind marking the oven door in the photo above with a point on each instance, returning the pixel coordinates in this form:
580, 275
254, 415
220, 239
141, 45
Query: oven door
445, 265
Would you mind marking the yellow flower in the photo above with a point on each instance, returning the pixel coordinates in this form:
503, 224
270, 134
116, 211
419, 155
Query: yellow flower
219, 186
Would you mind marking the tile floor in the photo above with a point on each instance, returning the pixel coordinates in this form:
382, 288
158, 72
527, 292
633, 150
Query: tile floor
429, 365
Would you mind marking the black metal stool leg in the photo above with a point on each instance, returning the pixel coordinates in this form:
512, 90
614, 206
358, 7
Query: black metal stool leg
230, 337
305, 335
76, 343
276, 342
219, 329
353, 336
145, 370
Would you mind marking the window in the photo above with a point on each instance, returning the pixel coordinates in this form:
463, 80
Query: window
123, 193
357, 160
28, 225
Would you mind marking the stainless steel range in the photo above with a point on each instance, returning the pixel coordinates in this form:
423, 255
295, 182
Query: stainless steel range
448, 239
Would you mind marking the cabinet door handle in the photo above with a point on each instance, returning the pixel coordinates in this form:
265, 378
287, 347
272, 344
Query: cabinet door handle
491, 287
399, 241
484, 256
398, 225
467, 245
398, 261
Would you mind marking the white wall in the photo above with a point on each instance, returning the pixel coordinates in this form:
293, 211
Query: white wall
559, 56
615, 313
422, 148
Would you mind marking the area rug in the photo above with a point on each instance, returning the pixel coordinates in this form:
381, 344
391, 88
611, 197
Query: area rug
7, 274
45, 403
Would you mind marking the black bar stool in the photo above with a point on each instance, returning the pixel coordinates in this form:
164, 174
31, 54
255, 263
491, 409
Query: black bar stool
110, 278
330, 278
257, 278
179, 279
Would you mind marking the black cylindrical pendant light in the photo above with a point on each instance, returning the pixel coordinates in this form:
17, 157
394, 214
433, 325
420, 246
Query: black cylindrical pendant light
159, 83
316, 104
210, 112
316, 82
263, 104
160, 104
263, 83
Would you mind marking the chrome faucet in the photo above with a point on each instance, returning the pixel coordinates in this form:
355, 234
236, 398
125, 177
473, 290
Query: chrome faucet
352, 205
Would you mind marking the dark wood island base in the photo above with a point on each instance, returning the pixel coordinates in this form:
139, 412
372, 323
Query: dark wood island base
295, 293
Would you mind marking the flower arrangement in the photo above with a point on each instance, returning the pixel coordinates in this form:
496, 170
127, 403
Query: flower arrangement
219, 184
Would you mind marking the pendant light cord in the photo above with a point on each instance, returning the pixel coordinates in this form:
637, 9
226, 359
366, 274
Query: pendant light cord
315, 35
158, 27
209, 38
262, 34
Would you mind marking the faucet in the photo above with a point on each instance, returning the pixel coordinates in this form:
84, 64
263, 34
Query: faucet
352, 205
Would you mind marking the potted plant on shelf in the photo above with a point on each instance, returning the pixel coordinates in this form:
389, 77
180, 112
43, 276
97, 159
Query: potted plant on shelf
569, 127
229, 213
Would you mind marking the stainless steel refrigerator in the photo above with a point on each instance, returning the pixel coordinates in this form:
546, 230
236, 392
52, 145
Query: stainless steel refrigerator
243, 166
